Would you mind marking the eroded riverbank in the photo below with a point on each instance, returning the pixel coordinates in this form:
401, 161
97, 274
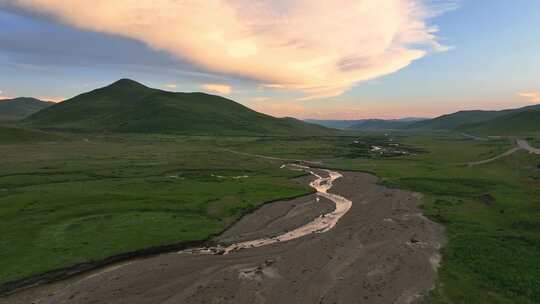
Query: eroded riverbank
381, 251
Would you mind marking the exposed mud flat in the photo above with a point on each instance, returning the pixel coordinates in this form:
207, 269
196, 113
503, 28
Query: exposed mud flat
277, 218
381, 251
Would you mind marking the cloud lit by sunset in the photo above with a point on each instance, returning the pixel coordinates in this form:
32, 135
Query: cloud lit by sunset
222, 89
533, 97
51, 98
321, 48
301, 58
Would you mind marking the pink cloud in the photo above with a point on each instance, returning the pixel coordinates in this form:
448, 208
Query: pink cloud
318, 47
222, 89
51, 99
3, 97
348, 110
533, 97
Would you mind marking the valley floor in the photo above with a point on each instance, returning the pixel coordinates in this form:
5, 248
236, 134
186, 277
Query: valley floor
382, 251
67, 199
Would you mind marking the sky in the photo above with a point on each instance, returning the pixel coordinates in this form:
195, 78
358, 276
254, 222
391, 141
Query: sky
340, 59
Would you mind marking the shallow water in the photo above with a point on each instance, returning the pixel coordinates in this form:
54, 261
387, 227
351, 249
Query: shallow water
321, 224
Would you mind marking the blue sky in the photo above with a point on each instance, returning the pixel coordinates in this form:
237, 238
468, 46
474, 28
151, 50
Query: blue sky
492, 61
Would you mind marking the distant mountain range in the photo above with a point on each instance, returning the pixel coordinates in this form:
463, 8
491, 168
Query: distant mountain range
127, 106
20, 108
366, 124
336, 124
504, 122
382, 124
519, 121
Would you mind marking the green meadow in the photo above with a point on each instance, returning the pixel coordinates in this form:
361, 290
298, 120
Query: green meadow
83, 199
72, 199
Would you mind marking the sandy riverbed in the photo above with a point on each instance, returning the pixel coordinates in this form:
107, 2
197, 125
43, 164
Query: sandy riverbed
381, 251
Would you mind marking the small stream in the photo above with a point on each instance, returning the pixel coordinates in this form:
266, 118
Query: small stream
321, 224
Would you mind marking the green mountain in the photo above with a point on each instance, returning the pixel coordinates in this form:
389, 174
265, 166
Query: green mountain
514, 123
454, 120
461, 118
19, 108
129, 107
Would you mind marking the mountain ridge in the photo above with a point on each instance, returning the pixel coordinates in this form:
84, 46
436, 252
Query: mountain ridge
513, 123
21, 107
357, 124
457, 119
127, 106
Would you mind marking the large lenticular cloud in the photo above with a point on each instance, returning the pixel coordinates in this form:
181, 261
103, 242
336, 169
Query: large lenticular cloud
318, 47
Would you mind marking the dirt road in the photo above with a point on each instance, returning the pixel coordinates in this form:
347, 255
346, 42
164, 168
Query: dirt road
521, 144
381, 251
485, 161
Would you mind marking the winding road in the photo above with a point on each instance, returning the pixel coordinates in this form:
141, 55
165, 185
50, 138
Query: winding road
520, 144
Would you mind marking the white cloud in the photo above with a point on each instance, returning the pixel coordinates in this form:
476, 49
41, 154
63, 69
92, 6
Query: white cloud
318, 47
533, 97
51, 99
259, 99
222, 89
170, 86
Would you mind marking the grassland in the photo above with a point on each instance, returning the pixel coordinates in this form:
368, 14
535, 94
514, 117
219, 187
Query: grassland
11, 135
82, 199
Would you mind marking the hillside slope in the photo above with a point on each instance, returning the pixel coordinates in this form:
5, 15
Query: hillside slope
461, 118
130, 107
19, 108
454, 120
517, 123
